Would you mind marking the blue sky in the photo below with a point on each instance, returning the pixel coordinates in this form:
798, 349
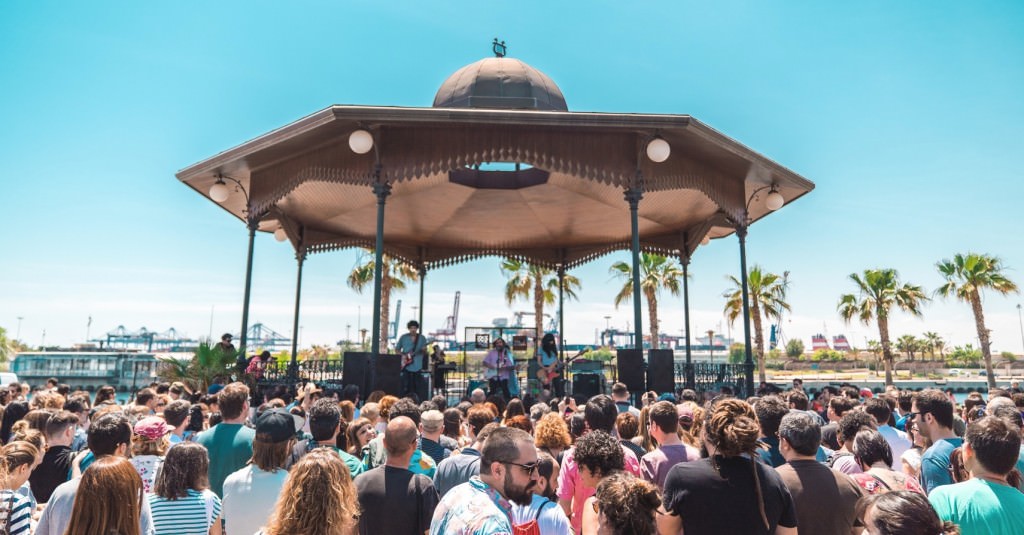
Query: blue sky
906, 115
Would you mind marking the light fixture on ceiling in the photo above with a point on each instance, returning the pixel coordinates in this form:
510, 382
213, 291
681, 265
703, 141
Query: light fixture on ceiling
360, 141
658, 150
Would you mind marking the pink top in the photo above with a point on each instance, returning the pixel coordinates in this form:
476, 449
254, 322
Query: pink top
570, 485
654, 466
503, 361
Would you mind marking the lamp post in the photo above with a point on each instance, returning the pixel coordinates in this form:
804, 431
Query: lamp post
1019, 320
711, 345
221, 192
773, 201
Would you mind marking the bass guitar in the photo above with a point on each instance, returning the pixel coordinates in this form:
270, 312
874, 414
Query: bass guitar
546, 375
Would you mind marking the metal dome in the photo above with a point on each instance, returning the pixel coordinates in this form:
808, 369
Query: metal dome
501, 82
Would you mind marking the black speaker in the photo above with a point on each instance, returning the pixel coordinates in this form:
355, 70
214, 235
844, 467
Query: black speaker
587, 385
661, 376
388, 374
630, 364
356, 371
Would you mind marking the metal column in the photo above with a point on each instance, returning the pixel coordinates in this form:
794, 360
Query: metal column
248, 291
381, 190
633, 196
741, 233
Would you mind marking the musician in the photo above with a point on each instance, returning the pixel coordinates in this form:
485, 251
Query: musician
412, 345
437, 359
547, 360
500, 366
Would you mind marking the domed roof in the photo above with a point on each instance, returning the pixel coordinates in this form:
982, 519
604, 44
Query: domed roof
500, 83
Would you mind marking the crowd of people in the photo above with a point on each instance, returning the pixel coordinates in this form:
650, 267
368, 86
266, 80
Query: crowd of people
331, 463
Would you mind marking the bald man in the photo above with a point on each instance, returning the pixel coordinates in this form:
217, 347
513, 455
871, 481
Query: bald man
384, 491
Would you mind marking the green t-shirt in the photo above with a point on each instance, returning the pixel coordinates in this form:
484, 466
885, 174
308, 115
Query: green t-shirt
980, 507
230, 448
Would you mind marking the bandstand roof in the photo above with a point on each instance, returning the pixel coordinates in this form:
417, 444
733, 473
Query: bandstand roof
568, 208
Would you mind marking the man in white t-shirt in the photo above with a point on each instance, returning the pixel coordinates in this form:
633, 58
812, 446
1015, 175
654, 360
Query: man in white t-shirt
544, 509
250, 493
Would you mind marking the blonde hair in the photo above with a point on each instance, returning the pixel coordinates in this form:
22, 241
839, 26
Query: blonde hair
318, 498
144, 446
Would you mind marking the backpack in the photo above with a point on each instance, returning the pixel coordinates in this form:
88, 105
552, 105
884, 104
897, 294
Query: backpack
831, 462
533, 526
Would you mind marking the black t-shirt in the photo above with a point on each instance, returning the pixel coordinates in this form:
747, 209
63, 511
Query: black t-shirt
395, 500
51, 472
725, 500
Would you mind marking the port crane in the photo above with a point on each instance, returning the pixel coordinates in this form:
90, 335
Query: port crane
447, 333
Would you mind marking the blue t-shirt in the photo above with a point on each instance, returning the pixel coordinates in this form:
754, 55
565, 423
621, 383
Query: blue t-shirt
408, 343
935, 464
980, 506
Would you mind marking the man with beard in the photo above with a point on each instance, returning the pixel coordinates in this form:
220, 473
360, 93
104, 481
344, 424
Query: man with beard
508, 473
543, 511
392, 498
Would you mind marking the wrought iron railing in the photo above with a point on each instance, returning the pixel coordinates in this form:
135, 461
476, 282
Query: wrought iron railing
326, 374
705, 377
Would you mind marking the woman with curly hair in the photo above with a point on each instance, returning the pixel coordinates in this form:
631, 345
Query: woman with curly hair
318, 498
729, 491
551, 435
626, 505
598, 456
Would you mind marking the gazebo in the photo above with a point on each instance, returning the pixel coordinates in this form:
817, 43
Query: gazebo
498, 166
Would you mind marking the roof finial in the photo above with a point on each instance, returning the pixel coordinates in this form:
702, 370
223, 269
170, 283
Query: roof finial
499, 48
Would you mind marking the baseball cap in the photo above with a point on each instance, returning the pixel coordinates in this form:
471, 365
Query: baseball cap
275, 425
152, 428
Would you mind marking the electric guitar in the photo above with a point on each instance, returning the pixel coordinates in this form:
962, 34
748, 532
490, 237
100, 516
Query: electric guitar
546, 375
410, 357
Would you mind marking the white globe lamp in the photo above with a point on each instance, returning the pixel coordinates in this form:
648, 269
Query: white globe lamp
360, 141
774, 201
280, 234
219, 192
658, 150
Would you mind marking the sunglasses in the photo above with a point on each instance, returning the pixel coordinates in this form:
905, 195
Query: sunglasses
529, 467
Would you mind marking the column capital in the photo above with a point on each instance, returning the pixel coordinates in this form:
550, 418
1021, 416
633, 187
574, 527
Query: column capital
381, 190
633, 196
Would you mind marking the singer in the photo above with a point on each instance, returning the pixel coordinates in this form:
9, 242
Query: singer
499, 366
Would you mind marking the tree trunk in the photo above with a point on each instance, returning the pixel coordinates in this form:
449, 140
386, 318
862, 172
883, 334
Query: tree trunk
652, 313
755, 313
883, 333
385, 305
538, 309
983, 336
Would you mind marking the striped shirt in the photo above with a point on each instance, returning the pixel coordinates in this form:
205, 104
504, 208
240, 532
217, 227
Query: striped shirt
15, 513
191, 515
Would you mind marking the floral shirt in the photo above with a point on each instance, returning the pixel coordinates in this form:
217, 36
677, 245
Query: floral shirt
148, 466
472, 508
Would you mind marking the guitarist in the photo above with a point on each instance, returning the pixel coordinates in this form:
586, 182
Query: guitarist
550, 369
499, 364
412, 345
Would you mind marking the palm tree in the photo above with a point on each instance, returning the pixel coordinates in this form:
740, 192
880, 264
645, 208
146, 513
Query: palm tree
966, 276
878, 291
199, 372
767, 298
932, 342
656, 272
907, 344
528, 281
394, 274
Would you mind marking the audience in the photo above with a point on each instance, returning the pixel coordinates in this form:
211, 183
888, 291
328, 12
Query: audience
181, 501
318, 498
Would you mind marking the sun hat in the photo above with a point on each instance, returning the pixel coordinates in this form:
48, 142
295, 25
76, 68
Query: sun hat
152, 428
